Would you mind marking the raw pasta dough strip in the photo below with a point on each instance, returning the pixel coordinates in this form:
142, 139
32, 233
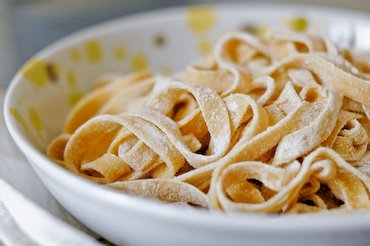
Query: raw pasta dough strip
332, 75
305, 139
149, 134
214, 112
255, 147
280, 91
163, 189
322, 163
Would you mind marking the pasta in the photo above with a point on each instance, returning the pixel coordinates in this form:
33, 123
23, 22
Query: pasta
273, 124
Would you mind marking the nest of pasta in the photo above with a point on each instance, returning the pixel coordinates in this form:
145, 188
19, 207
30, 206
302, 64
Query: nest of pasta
273, 124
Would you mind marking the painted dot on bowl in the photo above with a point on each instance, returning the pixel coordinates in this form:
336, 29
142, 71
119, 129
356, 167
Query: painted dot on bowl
75, 55
298, 24
251, 28
35, 71
160, 41
74, 97
204, 47
71, 79
200, 18
139, 62
120, 53
258, 30
53, 71
35, 119
261, 31
20, 120
94, 51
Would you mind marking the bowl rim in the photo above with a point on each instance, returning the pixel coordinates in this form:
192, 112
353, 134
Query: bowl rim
196, 217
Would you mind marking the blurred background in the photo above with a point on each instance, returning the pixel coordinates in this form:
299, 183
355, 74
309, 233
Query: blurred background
26, 26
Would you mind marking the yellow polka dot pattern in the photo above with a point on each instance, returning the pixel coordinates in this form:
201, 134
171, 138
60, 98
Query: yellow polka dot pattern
119, 53
35, 119
20, 120
204, 47
94, 51
71, 79
57, 70
139, 62
298, 24
200, 18
35, 71
261, 31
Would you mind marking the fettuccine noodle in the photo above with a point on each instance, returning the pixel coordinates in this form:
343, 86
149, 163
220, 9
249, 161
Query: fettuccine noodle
277, 124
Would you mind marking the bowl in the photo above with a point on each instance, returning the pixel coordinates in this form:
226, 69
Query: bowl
48, 85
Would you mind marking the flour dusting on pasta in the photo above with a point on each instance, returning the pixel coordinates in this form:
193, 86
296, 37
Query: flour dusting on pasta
272, 124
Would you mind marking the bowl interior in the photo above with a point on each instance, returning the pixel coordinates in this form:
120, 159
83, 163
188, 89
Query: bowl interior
44, 90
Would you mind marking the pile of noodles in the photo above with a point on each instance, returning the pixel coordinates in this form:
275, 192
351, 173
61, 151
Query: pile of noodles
277, 124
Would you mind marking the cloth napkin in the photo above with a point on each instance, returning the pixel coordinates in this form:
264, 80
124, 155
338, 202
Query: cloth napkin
29, 215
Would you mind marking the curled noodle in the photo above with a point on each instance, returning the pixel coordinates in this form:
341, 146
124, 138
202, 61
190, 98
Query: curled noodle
277, 124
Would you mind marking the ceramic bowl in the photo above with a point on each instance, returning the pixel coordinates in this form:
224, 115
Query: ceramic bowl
45, 89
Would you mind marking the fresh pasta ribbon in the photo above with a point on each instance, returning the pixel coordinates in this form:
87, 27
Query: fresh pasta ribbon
323, 164
275, 124
166, 190
55, 150
335, 74
307, 138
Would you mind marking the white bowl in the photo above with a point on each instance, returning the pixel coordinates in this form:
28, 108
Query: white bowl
37, 103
